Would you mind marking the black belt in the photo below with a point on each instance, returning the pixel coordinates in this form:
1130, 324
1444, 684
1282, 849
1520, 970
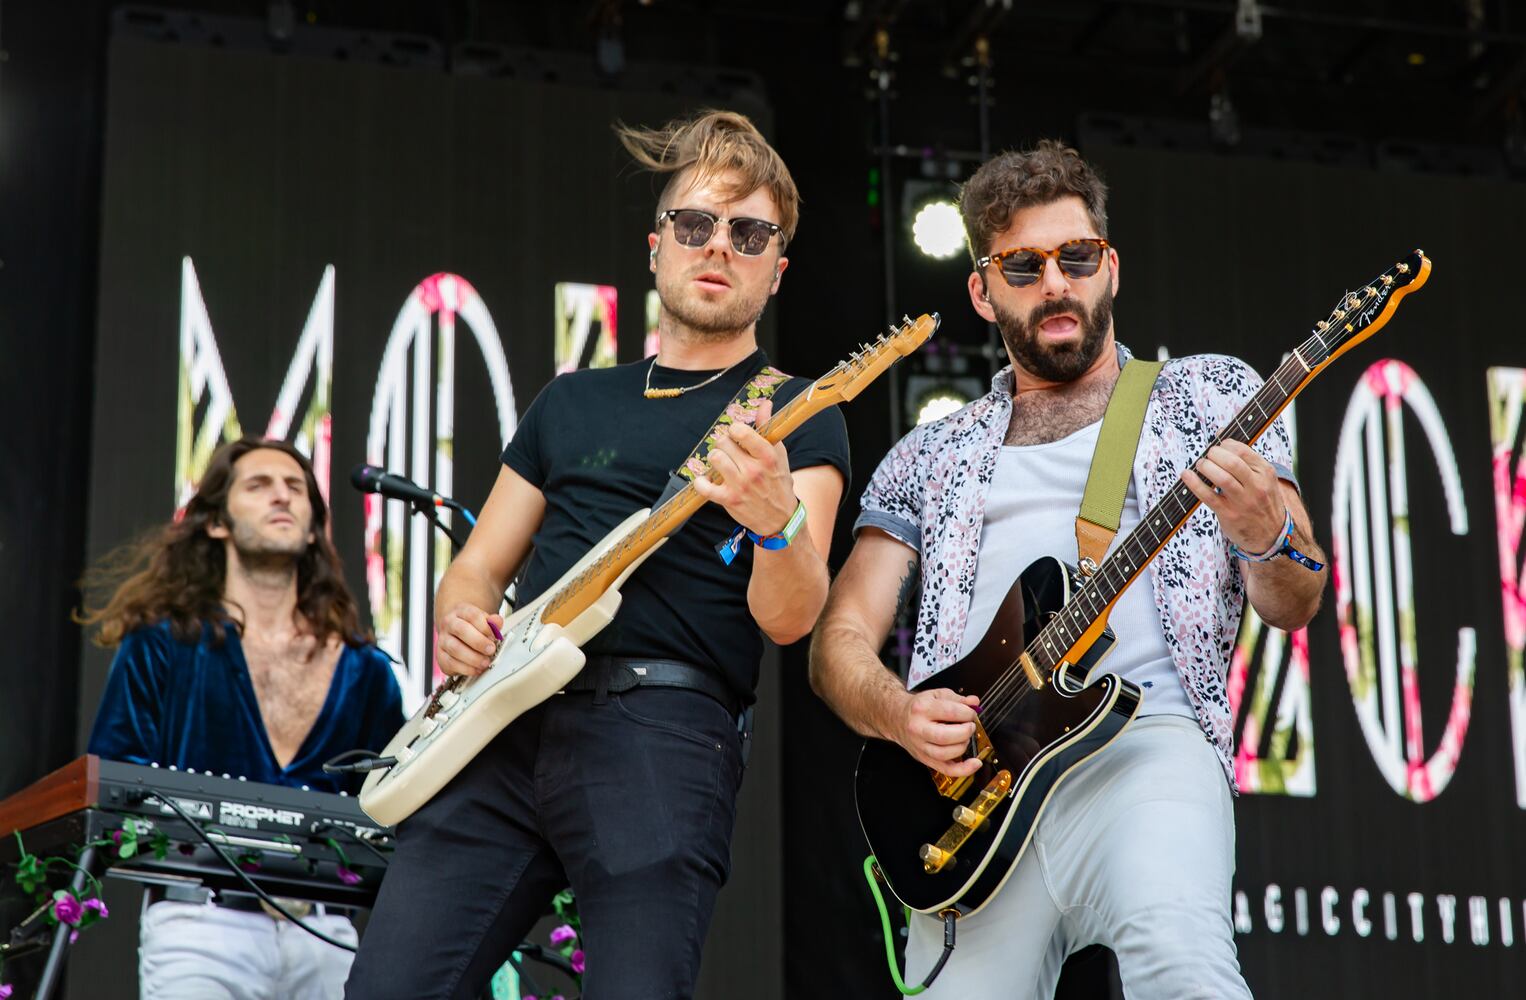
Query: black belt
614, 674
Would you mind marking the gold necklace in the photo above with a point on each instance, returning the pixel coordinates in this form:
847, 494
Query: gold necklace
651, 393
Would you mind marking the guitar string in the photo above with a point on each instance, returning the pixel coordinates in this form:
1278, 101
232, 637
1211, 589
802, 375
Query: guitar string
1012, 685
1002, 702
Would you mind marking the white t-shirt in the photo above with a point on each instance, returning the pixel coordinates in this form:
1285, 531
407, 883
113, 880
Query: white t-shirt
1031, 512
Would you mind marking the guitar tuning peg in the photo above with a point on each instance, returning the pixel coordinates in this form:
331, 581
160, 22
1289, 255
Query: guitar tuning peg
1369, 291
1402, 269
1352, 302
905, 320
1388, 279
1321, 326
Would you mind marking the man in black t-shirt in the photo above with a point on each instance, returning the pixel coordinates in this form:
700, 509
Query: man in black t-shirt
624, 786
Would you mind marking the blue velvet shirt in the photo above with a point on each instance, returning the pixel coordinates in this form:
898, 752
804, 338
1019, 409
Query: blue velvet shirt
193, 705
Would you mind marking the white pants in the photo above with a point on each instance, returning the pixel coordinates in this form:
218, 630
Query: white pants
1134, 851
191, 951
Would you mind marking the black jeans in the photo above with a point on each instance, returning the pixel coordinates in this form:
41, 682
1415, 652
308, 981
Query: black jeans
630, 799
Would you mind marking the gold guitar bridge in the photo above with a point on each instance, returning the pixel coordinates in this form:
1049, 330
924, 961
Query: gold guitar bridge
967, 819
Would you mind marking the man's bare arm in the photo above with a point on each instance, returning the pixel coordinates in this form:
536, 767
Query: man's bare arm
933, 726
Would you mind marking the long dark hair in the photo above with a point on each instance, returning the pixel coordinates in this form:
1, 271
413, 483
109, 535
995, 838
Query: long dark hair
176, 572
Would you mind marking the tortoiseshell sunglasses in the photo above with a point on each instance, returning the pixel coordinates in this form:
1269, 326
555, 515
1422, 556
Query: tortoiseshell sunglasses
1022, 266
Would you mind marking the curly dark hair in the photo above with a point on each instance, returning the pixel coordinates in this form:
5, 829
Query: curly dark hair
1016, 180
176, 572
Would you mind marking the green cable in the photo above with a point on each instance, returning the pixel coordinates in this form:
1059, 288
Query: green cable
879, 900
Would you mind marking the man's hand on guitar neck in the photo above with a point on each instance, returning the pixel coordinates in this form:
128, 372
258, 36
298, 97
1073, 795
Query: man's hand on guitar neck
750, 477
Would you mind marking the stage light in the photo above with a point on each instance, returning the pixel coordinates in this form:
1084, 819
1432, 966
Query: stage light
940, 403
933, 394
938, 230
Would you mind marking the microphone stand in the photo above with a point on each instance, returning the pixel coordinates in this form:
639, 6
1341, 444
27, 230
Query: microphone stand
431, 514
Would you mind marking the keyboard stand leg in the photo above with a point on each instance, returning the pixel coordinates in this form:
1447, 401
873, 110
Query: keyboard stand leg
59, 953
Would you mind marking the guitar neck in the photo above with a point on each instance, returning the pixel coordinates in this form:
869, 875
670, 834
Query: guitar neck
1162, 521
579, 593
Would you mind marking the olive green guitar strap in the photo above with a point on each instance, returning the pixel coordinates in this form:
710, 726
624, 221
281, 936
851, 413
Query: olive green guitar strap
1107, 484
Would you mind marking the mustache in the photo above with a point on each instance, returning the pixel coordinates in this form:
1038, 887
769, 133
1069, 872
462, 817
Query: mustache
1056, 307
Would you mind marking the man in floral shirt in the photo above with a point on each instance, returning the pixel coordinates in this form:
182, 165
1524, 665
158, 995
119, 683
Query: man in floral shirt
1135, 850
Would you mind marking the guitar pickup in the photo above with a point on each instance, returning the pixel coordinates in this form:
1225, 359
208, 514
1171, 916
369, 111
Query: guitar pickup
967, 819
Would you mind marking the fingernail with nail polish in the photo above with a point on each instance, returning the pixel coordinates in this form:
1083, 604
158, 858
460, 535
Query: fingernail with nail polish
496, 634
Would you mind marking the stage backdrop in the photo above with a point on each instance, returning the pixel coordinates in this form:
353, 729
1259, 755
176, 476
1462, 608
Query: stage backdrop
384, 265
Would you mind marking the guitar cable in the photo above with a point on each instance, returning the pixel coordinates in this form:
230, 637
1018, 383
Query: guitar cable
165, 799
371, 761
872, 875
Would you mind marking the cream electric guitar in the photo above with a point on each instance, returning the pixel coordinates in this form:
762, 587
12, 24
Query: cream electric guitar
540, 650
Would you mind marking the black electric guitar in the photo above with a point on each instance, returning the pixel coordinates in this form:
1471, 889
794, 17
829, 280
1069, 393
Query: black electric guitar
945, 842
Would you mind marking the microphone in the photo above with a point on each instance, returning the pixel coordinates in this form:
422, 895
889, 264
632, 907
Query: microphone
369, 479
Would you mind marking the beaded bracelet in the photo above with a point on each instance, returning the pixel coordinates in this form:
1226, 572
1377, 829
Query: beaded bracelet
1283, 546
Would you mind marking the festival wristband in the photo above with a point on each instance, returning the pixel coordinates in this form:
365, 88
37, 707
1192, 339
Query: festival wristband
732, 544
1283, 546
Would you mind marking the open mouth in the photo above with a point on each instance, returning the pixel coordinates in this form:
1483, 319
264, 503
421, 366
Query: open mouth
1062, 325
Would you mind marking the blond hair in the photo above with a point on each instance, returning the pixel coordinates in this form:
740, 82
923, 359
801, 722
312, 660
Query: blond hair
716, 145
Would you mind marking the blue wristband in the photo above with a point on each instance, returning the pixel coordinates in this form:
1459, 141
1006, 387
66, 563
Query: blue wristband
732, 543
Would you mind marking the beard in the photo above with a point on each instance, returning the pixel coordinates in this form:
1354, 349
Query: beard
1056, 362
259, 551
710, 320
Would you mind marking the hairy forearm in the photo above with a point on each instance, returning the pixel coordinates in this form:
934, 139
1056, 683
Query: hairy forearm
847, 674
1284, 593
788, 589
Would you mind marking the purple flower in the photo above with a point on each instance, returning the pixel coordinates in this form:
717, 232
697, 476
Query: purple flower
577, 961
116, 837
347, 877
5, 991
249, 864
99, 906
73, 936
67, 909
562, 935
528, 996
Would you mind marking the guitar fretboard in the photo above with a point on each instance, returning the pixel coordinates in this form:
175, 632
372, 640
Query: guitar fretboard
1118, 570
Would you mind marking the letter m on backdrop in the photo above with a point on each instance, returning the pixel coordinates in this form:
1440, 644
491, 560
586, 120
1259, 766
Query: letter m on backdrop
206, 416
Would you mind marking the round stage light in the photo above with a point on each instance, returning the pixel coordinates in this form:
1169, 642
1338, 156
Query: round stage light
939, 403
938, 231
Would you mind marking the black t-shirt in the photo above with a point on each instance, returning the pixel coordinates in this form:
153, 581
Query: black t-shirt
599, 451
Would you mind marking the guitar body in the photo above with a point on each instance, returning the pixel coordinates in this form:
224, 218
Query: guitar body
1051, 730
534, 661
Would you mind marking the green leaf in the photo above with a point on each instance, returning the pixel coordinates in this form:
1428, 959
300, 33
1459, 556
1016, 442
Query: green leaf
129, 847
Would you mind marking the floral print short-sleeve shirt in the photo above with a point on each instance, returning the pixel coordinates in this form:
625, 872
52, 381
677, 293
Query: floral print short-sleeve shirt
930, 493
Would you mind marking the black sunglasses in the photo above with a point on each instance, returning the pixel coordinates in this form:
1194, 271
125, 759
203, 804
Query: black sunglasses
1022, 266
693, 227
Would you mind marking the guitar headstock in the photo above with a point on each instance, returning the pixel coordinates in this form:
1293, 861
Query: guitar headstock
866, 364
1362, 313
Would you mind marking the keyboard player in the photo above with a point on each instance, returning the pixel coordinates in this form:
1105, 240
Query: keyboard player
239, 650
